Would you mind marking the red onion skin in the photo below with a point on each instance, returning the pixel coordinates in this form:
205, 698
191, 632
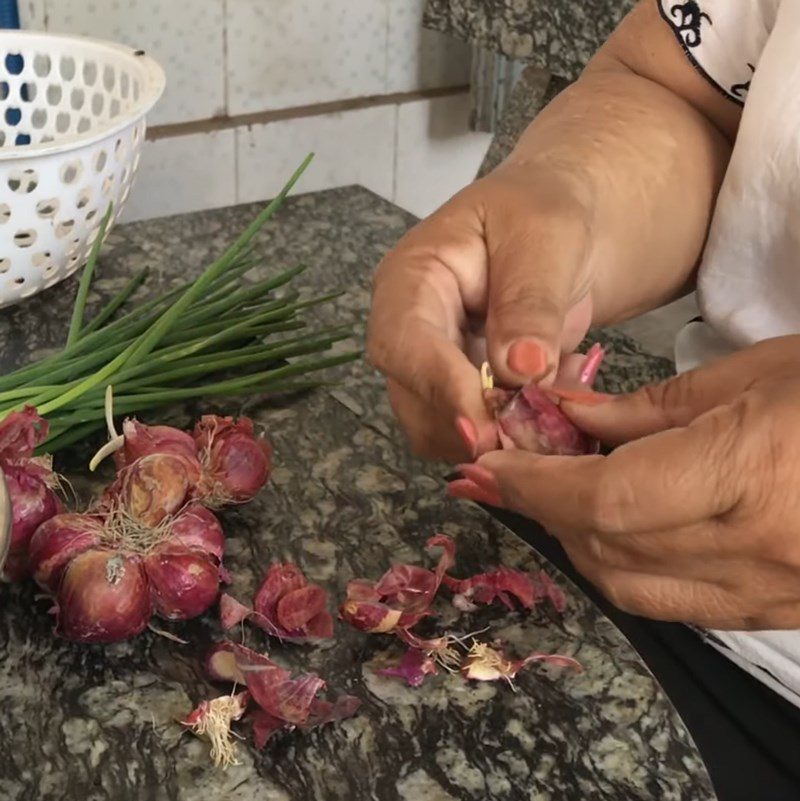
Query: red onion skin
281, 578
414, 667
401, 597
57, 542
20, 434
183, 584
236, 462
104, 597
197, 529
288, 606
143, 440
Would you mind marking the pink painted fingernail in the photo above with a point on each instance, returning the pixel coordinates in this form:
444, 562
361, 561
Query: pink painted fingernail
469, 434
527, 357
480, 476
468, 490
594, 358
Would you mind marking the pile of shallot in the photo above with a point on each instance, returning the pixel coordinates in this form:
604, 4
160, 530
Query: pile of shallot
150, 544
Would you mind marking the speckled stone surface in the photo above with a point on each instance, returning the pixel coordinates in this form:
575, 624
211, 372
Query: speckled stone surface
534, 89
557, 35
99, 723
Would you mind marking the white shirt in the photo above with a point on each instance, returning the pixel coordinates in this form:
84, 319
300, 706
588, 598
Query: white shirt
748, 283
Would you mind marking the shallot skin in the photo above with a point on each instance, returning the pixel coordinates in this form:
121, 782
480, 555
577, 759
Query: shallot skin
295, 608
104, 597
284, 702
286, 605
401, 597
21, 433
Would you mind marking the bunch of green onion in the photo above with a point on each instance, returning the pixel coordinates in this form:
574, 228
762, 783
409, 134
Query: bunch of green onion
182, 345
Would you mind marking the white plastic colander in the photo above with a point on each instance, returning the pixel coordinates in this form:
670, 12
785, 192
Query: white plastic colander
72, 123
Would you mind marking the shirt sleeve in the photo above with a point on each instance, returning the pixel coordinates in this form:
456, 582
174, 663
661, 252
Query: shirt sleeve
723, 39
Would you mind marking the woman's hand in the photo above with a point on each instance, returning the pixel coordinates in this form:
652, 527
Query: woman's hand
696, 517
600, 213
497, 264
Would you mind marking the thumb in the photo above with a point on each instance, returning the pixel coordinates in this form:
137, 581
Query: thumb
534, 263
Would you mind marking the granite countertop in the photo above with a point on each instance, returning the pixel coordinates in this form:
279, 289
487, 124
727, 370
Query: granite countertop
557, 35
99, 723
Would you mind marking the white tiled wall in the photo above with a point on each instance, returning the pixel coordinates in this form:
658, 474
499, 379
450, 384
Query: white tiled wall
284, 53
184, 173
231, 57
436, 156
185, 36
420, 59
353, 147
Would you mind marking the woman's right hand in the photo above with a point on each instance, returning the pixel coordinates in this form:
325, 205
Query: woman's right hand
500, 273
599, 214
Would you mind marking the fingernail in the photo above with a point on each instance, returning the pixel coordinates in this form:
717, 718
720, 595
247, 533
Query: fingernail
527, 357
480, 476
469, 434
468, 490
584, 398
594, 358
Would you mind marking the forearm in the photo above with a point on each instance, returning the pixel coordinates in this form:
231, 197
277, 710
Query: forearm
644, 165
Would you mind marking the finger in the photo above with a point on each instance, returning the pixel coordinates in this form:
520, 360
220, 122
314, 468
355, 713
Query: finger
577, 372
468, 490
679, 400
429, 437
671, 479
535, 263
670, 598
416, 332
691, 551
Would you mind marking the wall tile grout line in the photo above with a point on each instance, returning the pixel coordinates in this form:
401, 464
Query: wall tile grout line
212, 124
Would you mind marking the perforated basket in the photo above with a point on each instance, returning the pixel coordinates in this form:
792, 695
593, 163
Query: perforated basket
71, 131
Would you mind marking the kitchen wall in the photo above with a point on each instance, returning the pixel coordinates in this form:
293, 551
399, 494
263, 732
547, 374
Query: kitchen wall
253, 85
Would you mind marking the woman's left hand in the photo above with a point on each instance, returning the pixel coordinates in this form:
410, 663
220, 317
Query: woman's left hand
696, 516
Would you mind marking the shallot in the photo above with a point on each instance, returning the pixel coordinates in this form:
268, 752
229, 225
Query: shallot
236, 462
528, 419
140, 440
109, 571
31, 484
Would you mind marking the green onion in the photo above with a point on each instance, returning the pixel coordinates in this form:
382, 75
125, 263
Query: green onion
219, 335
